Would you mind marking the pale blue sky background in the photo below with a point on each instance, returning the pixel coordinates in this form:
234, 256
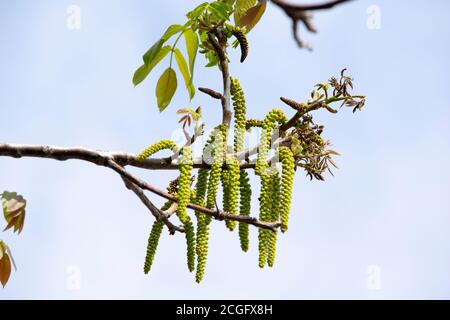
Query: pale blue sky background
387, 206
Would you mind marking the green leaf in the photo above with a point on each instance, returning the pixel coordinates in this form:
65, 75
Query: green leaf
144, 70
212, 59
252, 16
153, 51
165, 89
220, 9
198, 11
242, 6
172, 30
191, 48
182, 65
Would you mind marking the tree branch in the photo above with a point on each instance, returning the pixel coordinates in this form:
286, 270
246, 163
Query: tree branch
157, 213
219, 215
219, 45
211, 93
300, 113
116, 161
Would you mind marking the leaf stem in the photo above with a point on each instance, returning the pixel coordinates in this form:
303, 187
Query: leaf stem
172, 50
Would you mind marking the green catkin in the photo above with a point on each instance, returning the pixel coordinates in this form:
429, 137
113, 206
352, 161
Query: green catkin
264, 215
189, 231
287, 181
184, 195
193, 195
156, 147
244, 208
274, 217
264, 198
218, 149
202, 245
275, 116
202, 183
184, 183
153, 240
240, 110
213, 185
152, 245
253, 123
202, 222
225, 179
263, 151
202, 219
240, 127
272, 118
216, 168
232, 189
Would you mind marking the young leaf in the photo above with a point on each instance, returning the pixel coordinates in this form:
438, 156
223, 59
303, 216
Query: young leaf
153, 51
144, 70
14, 210
191, 48
182, 65
5, 265
220, 9
172, 30
198, 11
252, 16
165, 89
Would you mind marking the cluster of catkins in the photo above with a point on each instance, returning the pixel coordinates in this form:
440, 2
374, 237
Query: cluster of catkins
276, 187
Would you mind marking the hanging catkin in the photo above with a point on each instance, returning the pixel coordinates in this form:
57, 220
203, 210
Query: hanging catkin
156, 147
218, 150
287, 181
230, 178
244, 208
274, 216
184, 195
265, 172
153, 240
240, 110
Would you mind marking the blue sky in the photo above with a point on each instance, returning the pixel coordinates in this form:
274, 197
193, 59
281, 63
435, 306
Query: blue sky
386, 209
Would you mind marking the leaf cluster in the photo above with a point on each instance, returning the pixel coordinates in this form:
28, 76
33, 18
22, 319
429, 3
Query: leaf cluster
206, 19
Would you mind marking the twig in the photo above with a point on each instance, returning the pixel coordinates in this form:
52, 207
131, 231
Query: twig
292, 121
157, 213
216, 214
293, 104
97, 157
172, 209
212, 93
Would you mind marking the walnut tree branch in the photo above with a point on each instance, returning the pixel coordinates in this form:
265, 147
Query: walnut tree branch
157, 213
219, 215
219, 43
116, 161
